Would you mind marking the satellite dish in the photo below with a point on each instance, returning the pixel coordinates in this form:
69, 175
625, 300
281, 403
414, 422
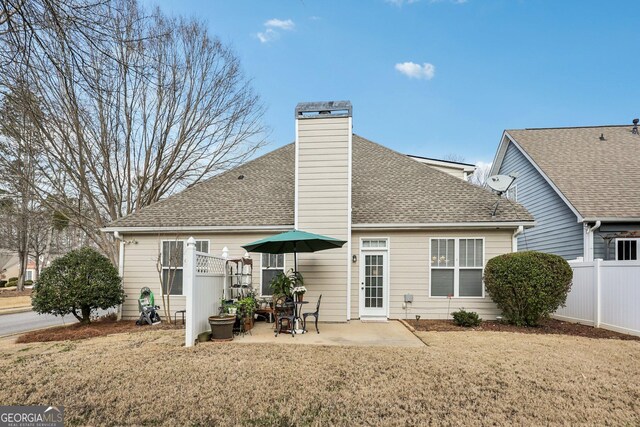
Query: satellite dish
500, 183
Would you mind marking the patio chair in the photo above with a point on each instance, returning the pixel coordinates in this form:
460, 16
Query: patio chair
284, 313
315, 314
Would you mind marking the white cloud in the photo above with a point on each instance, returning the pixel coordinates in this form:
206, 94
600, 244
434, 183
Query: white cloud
267, 36
286, 25
270, 34
417, 71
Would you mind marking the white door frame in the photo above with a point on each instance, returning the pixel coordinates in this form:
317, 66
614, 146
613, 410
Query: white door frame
382, 312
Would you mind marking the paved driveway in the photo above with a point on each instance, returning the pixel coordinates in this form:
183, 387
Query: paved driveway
30, 320
353, 333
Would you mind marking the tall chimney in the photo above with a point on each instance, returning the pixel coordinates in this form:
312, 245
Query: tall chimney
323, 200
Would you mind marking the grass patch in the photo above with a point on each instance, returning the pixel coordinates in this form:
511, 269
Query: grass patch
464, 378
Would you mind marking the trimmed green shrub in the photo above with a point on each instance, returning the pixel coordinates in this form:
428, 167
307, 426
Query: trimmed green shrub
12, 282
2, 283
466, 318
12, 279
28, 282
528, 286
78, 283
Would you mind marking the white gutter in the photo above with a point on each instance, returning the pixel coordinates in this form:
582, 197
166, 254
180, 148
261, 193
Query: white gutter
610, 219
221, 229
420, 226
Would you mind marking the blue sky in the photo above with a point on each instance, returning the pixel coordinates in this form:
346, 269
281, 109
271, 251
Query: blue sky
436, 77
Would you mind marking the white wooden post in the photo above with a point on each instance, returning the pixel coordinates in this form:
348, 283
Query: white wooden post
227, 278
597, 284
189, 279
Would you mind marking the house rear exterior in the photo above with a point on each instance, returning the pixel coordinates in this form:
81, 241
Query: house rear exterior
410, 229
582, 187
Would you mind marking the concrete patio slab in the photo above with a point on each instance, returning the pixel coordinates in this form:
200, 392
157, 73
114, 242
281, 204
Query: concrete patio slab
353, 333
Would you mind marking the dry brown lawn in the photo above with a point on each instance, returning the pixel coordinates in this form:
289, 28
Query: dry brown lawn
458, 378
15, 302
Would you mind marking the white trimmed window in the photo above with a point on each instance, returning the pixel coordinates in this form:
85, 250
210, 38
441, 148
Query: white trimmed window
272, 265
456, 267
173, 262
627, 249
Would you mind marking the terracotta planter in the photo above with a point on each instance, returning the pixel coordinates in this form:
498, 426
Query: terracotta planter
248, 323
222, 327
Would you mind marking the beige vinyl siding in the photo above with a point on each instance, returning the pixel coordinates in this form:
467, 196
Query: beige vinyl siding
457, 172
323, 208
140, 264
409, 270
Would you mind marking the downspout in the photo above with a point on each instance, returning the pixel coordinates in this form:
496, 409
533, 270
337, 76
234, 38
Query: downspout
590, 231
117, 236
514, 241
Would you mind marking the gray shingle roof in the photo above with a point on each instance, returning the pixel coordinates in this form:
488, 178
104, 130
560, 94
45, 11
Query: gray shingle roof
599, 178
387, 188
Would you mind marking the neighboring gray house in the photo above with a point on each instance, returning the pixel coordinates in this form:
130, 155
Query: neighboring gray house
582, 186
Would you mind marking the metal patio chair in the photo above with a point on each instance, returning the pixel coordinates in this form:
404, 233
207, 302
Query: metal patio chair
315, 314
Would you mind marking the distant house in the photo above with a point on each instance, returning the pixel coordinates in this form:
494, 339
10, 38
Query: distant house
11, 267
457, 169
409, 228
582, 186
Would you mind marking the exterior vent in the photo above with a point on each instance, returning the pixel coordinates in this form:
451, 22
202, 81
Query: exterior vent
635, 127
321, 110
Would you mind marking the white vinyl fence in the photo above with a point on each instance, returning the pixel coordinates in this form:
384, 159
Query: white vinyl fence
204, 281
605, 294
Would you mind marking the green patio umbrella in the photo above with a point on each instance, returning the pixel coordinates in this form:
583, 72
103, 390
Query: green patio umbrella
294, 241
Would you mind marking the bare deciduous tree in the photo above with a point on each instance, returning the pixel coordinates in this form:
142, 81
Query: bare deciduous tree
481, 174
131, 110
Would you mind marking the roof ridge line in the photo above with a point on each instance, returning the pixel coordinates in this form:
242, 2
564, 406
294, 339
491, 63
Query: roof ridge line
574, 127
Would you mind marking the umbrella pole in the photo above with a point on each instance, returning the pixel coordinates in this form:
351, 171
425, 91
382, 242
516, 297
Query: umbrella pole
295, 259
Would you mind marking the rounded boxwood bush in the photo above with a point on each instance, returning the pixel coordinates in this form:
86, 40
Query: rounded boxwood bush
528, 286
468, 319
2, 283
78, 283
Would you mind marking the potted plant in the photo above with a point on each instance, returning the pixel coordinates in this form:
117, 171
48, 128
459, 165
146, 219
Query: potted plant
222, 327
299, 292
281, 285
246, 310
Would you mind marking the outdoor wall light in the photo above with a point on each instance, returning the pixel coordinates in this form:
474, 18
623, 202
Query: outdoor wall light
355, 258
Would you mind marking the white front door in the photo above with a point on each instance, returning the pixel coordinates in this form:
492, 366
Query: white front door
373, 284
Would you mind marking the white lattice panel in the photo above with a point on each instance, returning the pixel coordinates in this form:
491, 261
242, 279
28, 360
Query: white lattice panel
209, 264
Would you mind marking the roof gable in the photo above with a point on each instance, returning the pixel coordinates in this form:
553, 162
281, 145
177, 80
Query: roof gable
595, 177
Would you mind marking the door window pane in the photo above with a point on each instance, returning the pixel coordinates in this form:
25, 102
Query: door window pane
374, 281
